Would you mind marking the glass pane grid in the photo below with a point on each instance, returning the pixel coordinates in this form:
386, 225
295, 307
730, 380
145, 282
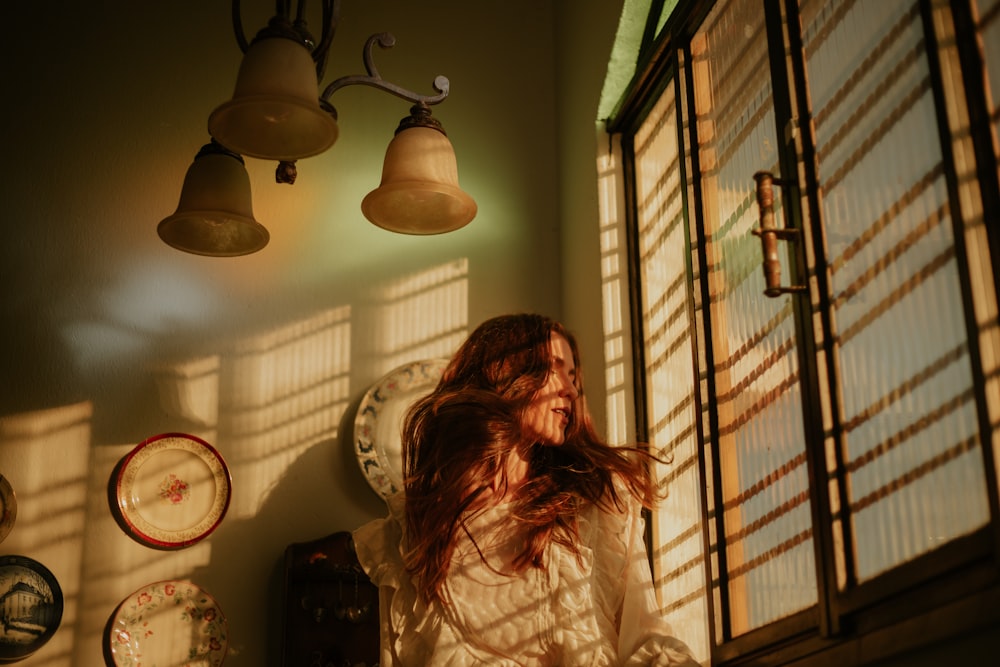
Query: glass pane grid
914, 471
901, 433
769, 570
678, 557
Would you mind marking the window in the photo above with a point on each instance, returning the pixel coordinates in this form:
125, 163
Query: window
830, 417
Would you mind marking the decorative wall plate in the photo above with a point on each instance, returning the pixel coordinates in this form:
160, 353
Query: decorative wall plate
31, 607
168, 623
172, 490
377, 426
8, 507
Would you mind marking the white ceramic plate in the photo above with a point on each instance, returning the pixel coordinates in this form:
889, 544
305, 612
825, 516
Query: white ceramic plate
168, 623
8, 507
172, 490
377, 427
32, 607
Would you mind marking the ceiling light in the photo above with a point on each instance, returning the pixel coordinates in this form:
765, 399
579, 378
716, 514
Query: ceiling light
215, 213
277, 113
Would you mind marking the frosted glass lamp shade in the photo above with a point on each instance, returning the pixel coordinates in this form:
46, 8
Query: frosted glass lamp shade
275, 111
215, 214
419, 193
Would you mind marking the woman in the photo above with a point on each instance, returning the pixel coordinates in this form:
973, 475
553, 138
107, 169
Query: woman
518, 538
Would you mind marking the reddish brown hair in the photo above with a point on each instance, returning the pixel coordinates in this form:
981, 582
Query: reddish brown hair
457, 441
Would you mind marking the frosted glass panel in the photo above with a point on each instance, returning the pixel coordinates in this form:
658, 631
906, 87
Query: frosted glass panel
914, 468
678, 555
895, 312
767, 542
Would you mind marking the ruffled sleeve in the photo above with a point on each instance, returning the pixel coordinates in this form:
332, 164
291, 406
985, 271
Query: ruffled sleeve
644, 636
410, 632
378, 547
377, 544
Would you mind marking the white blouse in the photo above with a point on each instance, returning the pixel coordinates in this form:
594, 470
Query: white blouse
598, 609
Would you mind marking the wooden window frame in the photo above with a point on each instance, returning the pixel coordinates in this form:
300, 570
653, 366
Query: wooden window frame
939, 597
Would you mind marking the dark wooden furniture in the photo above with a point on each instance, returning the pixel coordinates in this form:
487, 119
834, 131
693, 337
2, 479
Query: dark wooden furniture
331, 607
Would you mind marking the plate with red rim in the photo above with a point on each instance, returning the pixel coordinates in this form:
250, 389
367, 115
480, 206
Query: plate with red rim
173, 622
8, 507
171, 491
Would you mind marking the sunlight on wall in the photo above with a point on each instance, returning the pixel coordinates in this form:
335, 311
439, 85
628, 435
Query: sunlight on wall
262, 400
281, 392
614, 277
189, 390
44, 456
113, 564
420, 316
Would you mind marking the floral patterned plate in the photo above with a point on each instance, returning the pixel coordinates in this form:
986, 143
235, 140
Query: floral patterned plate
172, 490
168, 623
377, 437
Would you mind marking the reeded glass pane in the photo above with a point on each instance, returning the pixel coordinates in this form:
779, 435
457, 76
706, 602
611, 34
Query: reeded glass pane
678, 559
914, 468
769, 569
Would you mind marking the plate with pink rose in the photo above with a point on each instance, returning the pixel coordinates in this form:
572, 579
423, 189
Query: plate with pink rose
171, 491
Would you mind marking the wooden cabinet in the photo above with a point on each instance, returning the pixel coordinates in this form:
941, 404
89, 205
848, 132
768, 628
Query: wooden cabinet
331, 607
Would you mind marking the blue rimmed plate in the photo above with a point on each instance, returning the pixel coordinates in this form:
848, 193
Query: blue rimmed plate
377, 426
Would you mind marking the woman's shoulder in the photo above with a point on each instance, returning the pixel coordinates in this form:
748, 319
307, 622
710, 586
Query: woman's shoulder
610, 529
614, 519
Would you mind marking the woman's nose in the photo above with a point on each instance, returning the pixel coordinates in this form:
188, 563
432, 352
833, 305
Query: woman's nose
569, 388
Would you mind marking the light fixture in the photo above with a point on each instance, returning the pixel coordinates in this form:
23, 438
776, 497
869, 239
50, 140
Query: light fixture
276, 113
419, 193
215, 213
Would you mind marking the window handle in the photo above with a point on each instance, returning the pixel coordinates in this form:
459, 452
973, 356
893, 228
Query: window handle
770, 234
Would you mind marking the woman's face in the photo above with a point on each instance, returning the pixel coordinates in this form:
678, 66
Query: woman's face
549, 412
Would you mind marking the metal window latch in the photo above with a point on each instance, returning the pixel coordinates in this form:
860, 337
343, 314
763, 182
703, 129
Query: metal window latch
770, 234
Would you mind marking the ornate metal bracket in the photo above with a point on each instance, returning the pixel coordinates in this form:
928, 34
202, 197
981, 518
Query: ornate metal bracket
386, 41
769, 234
283, 25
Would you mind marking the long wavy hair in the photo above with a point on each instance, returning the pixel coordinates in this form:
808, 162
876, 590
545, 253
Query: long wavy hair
458, 439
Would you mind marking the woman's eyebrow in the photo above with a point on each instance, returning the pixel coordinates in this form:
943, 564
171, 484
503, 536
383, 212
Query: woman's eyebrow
558, 361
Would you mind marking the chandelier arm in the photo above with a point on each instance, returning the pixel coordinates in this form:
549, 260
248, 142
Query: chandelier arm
385, 40
300, 23
241, 38
331, 18
374, 79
